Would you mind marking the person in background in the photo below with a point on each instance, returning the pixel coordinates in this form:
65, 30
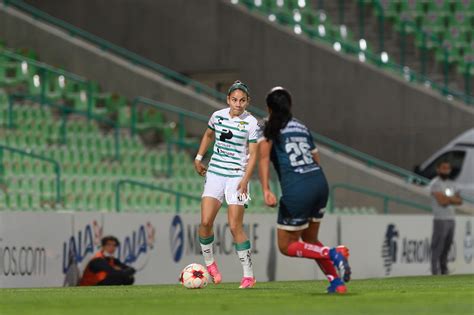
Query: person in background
105, 269
444, 197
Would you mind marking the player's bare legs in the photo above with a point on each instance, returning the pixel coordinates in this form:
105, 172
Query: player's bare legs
235, 216
242, 244
285, 238
310, 234
209, 208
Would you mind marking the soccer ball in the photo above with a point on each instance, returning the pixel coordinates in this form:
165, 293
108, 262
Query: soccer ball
194, 276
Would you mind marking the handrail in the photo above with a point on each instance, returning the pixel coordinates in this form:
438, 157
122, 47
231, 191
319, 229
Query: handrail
115, 49
44, 71
182, 113
466, 95
178, 195
57, 166
385, 197
366, 54
334, 145
65, 111
41, 65
220, 96
370, 161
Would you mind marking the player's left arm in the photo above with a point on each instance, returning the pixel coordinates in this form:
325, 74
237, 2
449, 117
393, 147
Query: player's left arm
253, 153
314, 150
316, 156
252, 161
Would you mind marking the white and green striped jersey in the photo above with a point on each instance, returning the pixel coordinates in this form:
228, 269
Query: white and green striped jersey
230, 154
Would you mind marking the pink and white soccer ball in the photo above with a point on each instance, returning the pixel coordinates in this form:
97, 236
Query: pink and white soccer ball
194, 276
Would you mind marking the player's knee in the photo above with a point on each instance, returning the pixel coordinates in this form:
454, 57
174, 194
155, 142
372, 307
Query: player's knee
235, 228
283, 247
206, 224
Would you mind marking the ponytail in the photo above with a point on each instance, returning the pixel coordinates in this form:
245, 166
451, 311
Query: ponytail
279, 101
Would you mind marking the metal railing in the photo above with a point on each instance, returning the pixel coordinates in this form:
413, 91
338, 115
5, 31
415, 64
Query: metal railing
115, 49
178, 195
65, 112
420, 77
136, 59
337, 147
46, 72
387, 199
182, 114
380, 59
56, 166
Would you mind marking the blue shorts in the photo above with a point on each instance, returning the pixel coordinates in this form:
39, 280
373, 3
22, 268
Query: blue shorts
303, 202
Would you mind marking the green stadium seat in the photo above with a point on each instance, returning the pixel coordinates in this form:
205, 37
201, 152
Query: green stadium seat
390, 9
466, 6
28, 53
415, 8
442, 7
461, 20
456, 37
453, 53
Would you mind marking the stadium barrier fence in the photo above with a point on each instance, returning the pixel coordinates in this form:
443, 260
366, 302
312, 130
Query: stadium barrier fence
177, 194
384, 197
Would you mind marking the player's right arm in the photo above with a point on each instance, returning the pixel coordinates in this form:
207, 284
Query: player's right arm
265, 147
207, 139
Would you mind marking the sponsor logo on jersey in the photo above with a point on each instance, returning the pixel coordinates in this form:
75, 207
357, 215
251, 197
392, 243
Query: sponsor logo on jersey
226, 135
241, 125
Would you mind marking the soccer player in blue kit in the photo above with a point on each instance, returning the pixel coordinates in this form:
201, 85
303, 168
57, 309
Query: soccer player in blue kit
288, 144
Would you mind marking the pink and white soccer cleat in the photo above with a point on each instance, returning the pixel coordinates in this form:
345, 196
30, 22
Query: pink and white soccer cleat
214, 272
247, 283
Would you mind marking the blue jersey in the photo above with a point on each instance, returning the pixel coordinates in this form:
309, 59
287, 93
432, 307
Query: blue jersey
292, 155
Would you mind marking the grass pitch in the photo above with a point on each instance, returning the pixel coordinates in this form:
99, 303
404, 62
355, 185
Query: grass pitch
412, 295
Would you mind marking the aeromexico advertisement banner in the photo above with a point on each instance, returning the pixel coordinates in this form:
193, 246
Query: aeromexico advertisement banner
384, 246
52, 249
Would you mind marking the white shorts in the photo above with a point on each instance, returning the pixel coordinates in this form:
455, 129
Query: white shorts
219, 187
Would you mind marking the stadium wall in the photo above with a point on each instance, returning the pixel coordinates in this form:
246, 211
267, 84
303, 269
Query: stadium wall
52, 249
358, 105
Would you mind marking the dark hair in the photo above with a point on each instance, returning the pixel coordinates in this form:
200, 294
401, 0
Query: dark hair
109, 238
442, 161
279, 101
238, 85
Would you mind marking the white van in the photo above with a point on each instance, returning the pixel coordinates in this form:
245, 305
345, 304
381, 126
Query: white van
460, 153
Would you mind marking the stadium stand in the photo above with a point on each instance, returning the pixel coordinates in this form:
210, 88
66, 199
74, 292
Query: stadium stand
72, 37
381, 31
66, 145
92, 156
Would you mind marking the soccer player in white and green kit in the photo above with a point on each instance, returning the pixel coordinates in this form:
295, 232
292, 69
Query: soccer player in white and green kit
234, 131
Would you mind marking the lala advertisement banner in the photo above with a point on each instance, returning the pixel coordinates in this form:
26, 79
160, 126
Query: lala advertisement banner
52, 249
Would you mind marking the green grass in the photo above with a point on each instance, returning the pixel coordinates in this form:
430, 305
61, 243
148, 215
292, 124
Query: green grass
413, 295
